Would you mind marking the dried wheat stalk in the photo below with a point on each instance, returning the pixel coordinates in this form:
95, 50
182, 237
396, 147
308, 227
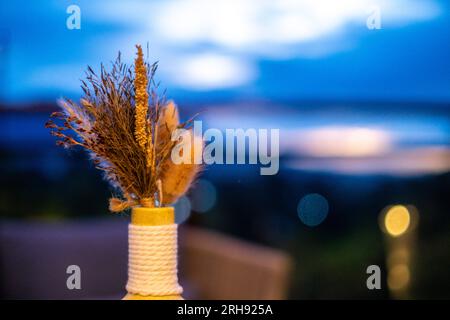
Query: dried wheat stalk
126, 127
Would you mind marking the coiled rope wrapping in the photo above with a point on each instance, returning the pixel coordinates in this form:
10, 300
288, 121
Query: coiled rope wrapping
152, 260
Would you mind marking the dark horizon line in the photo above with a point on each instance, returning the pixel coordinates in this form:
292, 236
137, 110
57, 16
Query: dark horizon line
301, 104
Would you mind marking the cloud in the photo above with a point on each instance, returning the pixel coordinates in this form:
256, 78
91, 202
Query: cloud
241, 32
259, 26
208, 70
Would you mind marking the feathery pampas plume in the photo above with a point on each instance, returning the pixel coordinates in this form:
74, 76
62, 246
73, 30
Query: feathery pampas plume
176, 178
126, 127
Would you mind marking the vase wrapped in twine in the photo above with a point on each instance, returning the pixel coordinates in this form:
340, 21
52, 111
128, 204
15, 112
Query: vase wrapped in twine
153, 254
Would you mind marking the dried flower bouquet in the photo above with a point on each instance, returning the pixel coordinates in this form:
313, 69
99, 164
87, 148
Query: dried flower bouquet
126, 127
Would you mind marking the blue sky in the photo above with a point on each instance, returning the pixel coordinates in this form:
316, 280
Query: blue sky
303, 50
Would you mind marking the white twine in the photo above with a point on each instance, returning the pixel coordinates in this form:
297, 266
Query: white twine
152, 260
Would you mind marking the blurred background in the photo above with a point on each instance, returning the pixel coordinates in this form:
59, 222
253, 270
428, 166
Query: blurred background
360, 90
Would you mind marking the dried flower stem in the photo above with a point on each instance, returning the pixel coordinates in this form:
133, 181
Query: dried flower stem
141, 97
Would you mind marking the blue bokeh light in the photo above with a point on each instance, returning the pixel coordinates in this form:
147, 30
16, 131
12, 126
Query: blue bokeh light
312, 209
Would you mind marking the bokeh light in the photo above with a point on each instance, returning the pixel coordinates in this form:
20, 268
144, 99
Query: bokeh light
398, 256
204, 196
312, 209
182, 210
398, 277
397, 220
